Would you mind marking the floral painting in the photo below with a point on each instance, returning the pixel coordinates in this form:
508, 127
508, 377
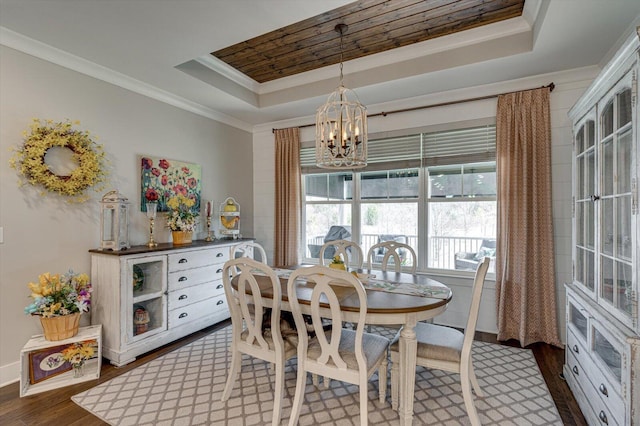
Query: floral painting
46, 363
163, 179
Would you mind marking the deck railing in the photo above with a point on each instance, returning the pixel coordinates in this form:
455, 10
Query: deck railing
442, 249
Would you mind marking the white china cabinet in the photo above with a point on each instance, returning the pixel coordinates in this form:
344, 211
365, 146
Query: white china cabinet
603, 343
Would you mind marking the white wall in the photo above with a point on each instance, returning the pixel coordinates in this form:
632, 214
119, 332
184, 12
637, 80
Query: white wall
45, 234
569, 86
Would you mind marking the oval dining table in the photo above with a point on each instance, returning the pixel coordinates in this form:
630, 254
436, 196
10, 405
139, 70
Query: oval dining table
385, 308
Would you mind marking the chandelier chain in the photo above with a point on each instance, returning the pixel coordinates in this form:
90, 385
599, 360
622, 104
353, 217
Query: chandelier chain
341, 53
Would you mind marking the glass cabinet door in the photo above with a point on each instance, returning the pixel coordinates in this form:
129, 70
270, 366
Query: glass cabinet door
146, 307
585, 196
616, 219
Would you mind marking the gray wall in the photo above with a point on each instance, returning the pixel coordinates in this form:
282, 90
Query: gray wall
43, 233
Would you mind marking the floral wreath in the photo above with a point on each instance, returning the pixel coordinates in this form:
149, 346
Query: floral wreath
29, 159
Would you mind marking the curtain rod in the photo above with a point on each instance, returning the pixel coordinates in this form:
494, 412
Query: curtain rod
551, 86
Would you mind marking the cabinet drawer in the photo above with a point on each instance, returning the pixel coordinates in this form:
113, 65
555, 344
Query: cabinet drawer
602, 411
191, 277
608, 392
186, 296
194, 311
197, 259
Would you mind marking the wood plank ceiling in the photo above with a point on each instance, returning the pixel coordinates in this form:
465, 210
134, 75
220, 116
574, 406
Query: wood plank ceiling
373, 26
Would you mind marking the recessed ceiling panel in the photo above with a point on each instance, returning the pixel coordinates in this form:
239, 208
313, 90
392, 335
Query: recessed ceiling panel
374, 26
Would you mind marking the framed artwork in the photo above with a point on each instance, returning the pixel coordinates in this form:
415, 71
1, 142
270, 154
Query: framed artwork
46, 363
163, 178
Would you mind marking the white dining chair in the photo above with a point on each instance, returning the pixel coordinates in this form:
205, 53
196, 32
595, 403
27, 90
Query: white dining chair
447, 349
247, 309
351, 356
350, 252
391, 251
248, 249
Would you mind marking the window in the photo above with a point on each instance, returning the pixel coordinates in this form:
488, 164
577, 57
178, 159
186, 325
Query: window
389, 208
327, 202
433, 191
461, 214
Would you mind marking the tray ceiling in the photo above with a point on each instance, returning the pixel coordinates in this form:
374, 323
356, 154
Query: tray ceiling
374, 26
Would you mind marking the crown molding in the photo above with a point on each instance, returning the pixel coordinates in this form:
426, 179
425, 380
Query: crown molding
64, 59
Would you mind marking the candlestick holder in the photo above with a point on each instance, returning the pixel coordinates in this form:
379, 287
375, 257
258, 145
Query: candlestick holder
209, 237
152, 208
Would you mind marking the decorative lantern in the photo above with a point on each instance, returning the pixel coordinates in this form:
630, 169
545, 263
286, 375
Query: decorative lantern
230, 218
114, 222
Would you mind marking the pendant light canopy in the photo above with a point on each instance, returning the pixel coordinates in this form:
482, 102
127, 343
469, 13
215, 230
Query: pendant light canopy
341, 127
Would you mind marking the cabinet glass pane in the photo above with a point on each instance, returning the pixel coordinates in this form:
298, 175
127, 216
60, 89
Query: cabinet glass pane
607, 120
606, 271
607, 168
578, 320
624, 162
624, 288
580, 223
608, 354
606, 237
590, 171
580, 255
589, 270
147, 316
146, 278
589, 224
623, 228
624, 108
581, 188
590, 134
580, 140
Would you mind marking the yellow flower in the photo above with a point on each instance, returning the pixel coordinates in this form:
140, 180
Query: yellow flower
29, 161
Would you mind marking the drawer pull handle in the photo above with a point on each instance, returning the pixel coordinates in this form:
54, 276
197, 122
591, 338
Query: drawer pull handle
603, 390
219, 286
182, 261
220, 302
182, 297
219, 254
183, 315
575, 349
603, 418
181, 279
219, 271
575, 370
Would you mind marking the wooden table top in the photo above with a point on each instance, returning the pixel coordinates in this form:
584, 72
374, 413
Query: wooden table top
378, 301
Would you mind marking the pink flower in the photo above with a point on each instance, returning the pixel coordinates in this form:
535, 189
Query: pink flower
186, 170
192, 182
163, 180
147, 163
164, 164
155, 171
180, 189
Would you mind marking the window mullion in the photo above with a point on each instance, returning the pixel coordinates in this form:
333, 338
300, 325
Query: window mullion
355, 210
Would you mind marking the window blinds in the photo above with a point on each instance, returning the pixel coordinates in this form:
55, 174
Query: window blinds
475, 144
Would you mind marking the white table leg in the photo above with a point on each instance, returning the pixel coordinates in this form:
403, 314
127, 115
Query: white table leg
408, 347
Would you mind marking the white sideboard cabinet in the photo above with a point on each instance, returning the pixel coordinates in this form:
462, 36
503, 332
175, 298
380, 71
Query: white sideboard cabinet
147, 297
602, 364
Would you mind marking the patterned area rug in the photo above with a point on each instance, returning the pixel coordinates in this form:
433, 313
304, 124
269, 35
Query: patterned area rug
184, 388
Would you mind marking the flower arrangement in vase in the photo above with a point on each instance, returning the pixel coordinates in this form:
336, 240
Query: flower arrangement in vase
181, 218
59, 300
337, 263
76, 355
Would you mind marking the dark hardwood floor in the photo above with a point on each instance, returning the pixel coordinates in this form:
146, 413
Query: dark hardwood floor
56, 408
